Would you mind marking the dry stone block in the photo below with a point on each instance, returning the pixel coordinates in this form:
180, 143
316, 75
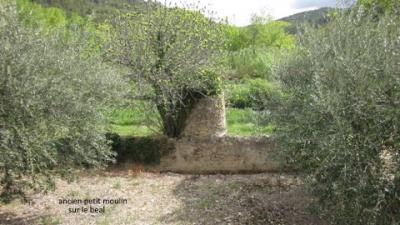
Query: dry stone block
207, 118
223, 154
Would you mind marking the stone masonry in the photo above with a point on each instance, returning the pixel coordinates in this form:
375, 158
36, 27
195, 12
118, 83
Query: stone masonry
205, 148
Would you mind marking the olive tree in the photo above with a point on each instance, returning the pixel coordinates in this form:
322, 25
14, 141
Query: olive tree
173, 50
339, 117
51, 102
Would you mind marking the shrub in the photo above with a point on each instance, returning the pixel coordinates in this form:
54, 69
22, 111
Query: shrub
252, 63
252, 93
139, 149
51, 101
238, 96
339, 117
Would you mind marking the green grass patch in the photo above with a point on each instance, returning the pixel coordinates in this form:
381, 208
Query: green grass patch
131, 130
246, 122
135, 115
132, 121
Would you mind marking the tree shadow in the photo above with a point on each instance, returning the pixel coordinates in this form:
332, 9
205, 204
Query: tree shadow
237, 199
7, 218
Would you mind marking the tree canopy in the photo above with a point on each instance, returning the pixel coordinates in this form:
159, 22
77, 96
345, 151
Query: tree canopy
173, 50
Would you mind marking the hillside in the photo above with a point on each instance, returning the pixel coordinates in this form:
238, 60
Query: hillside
316, 17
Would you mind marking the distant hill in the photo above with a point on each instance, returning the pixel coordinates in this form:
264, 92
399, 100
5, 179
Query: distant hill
314, 18
99, 10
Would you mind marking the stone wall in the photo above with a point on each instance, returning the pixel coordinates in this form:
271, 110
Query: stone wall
204, 147
222, 154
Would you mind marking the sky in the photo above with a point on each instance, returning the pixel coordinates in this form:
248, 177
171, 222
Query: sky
239, 12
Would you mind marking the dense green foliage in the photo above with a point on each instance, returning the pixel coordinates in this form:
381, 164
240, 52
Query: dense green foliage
52, 97
339, 118
251, 93
253, 49
35, 15
380, 6
81, 7
253, 63
100, 10
48, 20
260, 34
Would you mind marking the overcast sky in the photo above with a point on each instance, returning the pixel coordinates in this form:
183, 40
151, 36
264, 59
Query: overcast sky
239, 12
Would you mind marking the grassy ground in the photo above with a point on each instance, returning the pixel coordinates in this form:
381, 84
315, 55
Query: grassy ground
245, 122
134, 122
168, 198
131, 130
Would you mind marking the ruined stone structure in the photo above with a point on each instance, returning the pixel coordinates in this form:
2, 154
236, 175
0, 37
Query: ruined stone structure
207, 119
205, 148
222, 154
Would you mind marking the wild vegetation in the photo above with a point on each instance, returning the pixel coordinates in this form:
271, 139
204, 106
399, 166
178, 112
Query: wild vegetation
338, 117
77, 77
51, 103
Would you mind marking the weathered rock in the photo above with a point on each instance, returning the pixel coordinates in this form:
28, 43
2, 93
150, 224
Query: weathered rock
207, 118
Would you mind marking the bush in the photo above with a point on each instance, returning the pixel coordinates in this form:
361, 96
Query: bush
51, 101
252, 93
339, 117
139, 149
252, 63
238, 96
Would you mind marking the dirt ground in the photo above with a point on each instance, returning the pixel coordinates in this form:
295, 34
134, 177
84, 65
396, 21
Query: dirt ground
166, 198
